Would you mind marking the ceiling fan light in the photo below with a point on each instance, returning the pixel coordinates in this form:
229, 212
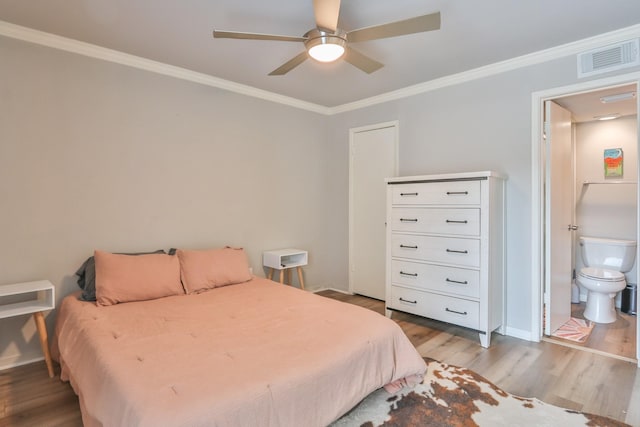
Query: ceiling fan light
325, 47
328, 52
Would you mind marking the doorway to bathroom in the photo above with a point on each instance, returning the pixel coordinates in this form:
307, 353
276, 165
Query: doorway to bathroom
583, 195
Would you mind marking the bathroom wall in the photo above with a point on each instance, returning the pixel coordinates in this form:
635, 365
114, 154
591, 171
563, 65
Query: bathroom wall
606, 210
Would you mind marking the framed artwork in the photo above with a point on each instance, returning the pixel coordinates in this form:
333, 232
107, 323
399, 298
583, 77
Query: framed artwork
613, 162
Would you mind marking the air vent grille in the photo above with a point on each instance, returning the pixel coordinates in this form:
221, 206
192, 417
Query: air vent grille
609, 58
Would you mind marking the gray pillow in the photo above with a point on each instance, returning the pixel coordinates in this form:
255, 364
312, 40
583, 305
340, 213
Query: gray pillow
87, 275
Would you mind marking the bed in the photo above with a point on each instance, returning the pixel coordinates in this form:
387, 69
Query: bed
255, 353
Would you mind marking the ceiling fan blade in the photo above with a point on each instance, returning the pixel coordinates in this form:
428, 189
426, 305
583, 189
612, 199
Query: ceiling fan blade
326, 12
361, 61
255, 36
290, 65
399, 28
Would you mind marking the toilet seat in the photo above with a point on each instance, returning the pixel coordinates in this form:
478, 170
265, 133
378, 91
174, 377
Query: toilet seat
601, 274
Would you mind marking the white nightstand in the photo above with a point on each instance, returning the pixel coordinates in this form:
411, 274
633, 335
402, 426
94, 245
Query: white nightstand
41, 298
285, 259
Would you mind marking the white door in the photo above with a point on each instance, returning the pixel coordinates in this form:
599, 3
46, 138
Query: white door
373, 157
559, 184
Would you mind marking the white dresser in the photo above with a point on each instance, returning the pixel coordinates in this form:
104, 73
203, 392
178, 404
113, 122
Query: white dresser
445, 249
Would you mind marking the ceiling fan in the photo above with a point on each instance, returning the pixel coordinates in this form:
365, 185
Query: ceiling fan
327, 42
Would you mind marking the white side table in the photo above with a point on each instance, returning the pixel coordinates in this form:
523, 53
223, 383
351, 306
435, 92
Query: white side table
284, 260
41, 298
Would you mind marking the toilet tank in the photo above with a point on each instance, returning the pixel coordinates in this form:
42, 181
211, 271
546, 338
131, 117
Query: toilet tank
612, 254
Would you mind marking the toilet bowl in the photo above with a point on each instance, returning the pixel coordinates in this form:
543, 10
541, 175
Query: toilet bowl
602, 285
606, 261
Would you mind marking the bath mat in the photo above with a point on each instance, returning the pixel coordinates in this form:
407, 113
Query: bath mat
577, 330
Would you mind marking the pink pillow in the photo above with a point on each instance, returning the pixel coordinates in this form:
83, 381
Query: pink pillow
124, 278
213, 268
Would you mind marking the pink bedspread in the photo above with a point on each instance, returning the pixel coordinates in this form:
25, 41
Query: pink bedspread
253, 354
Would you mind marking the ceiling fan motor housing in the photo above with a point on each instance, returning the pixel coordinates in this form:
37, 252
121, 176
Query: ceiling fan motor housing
333, 43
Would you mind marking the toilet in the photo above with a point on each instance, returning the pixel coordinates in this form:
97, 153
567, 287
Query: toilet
606, 261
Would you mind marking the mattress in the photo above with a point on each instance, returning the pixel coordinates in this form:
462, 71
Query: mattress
252, 354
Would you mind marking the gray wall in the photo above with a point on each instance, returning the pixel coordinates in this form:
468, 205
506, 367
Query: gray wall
484, 124
98, 155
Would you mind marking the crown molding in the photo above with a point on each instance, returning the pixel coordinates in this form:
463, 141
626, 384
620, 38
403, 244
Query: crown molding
93, 51
86, 49
546, 55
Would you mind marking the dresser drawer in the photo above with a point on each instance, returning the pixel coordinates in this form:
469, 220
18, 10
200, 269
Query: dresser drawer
452, 280
446, 309
447, 250
457, 221
437, 193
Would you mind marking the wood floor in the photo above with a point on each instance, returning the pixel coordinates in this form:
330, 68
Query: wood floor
617, 338
563, 376
559, 375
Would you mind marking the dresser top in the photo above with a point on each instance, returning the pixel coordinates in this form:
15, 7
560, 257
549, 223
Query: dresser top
446, 177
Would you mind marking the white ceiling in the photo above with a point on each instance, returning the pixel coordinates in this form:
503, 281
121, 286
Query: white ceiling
474, 33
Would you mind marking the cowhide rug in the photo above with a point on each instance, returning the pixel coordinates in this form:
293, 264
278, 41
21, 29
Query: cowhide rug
453, 396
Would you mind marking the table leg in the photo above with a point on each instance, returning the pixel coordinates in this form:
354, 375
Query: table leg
44, 341
281, 277
300, 278
270, 274
289, 277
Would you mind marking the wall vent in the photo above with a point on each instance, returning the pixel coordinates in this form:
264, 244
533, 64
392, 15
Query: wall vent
609, 58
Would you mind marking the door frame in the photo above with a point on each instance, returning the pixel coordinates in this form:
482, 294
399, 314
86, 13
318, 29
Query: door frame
537, 188
352, 131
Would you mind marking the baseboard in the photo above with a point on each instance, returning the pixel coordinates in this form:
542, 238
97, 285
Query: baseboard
521, 334
19, 360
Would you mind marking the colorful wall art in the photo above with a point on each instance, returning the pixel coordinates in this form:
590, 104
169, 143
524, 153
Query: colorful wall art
613, 162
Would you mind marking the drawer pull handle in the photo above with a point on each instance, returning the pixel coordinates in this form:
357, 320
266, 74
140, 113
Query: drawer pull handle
464, 282
408, 194
457, 252
408, 274
408, 219
452, 221
408, 247
410, 302
464, 313
452, 193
